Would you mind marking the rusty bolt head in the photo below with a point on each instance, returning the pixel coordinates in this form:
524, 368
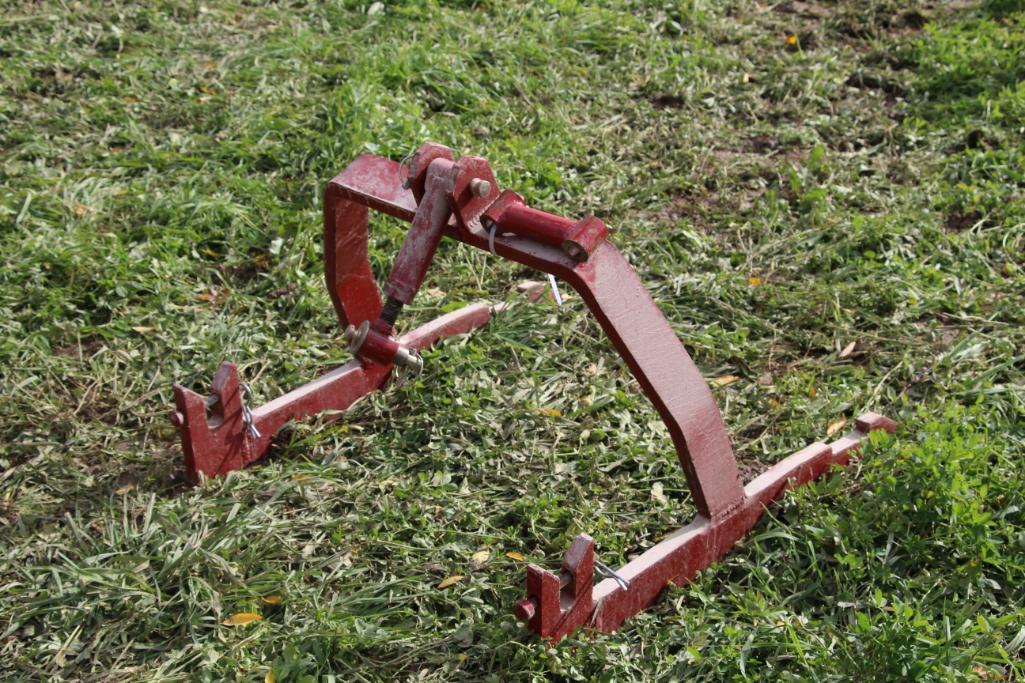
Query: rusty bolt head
480, 187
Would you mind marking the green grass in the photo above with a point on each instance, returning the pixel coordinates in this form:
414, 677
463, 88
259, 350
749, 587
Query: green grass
161, 166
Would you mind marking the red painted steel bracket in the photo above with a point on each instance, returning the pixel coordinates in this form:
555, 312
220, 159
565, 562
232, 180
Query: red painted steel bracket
460, 199
676, 559
215, 440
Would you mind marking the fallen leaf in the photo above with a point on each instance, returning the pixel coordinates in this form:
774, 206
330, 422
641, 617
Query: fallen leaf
513, 555
533, 290
270, 677
836, 426
242, 618
271, 599
754, 281
813, 392
724, 380
479, 559
142, 329
126, 482
445, 583
208, 91
791, 40
552, 412
809, 9
208, 65
848, 350
80, 210
282, 291
657, 492
985, 674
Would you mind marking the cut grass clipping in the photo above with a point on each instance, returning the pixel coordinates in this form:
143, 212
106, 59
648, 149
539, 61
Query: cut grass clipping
826, 200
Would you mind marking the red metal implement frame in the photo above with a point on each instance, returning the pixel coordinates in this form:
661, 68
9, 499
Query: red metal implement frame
440, 196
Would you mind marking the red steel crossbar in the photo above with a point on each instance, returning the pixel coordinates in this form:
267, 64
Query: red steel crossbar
440, 196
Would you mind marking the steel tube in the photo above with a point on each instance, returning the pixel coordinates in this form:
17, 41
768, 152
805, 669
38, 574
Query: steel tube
542, 226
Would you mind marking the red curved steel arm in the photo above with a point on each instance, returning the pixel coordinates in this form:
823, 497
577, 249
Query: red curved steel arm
350, 281
672, 382
617, 298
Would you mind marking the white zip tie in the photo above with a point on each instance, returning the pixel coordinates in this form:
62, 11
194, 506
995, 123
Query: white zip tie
608, 573
555, 289
491, 239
